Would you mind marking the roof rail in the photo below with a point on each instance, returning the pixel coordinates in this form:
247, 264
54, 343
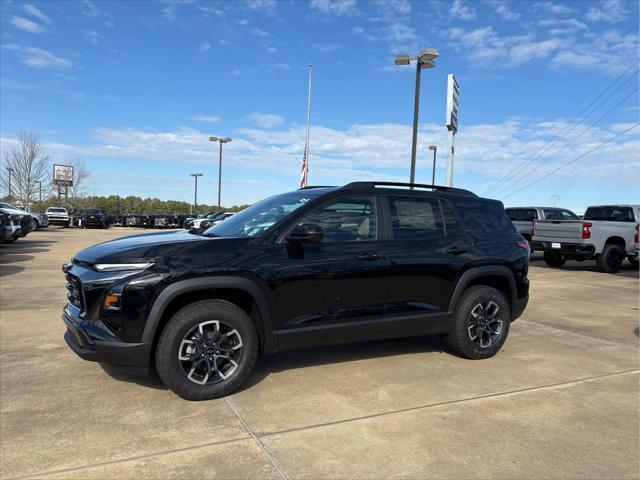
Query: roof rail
439, 188
316, 186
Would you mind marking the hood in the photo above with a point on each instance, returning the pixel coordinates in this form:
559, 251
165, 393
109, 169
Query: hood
146, 247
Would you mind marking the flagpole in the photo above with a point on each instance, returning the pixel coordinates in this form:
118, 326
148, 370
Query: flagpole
306, 144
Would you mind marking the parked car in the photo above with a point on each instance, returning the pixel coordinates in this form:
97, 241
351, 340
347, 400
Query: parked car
6, 227
317, 266
58, 216
23, 222
116, 220
523, 218
607, 233
92, 217
40, 219
194, 222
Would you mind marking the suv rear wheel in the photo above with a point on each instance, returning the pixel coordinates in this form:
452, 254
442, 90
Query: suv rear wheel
207, 350
610, 260
480, 323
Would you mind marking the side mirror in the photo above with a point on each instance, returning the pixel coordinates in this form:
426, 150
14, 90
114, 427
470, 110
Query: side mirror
305, 233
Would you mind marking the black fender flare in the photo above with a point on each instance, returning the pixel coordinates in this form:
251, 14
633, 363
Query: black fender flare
166, 296
483, 271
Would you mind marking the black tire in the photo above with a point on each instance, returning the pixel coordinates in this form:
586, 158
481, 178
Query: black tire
173, 372
489, 340
634, 262
610, 260
554, 259
36, 224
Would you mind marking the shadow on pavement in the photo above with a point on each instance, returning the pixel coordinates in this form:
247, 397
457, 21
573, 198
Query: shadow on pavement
6, 270
15, 258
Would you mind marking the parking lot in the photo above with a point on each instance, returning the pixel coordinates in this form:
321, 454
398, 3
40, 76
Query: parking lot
561, 400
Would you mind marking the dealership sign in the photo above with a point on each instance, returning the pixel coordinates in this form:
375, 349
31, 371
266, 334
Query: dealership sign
63, 175
453, 95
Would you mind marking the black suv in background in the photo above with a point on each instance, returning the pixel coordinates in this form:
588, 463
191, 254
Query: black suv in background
93, 217
317, 266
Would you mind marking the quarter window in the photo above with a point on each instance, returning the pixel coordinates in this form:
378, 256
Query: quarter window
348, 219
414, 218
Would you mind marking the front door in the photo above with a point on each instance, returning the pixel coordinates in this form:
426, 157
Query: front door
333, 291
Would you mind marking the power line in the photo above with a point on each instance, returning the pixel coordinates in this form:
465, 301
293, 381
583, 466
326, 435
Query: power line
587, 129
582, 155
558, 136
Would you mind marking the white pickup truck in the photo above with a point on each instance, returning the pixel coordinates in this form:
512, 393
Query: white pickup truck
608, 233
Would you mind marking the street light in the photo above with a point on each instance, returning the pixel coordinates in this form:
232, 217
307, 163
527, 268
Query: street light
424, 59
195, 194
433, 174
10, 170
221, 141
39, 194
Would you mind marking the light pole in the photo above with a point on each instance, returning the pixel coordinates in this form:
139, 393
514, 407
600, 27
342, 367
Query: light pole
424, 59
433, 173
221, 141
10, 170
195, 193
39, 194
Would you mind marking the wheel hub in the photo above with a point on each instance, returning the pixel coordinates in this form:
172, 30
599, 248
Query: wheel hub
485, 326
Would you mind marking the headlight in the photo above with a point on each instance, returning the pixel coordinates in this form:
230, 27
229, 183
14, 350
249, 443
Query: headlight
119, 267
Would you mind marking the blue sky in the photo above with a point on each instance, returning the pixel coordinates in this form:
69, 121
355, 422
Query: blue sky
133, 89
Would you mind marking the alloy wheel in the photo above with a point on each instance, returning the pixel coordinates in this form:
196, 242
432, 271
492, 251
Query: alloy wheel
485, 326
210, 352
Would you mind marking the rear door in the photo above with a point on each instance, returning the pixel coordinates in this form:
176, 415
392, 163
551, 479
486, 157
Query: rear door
427, 250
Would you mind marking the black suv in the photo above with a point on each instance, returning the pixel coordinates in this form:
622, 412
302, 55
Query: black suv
317, 266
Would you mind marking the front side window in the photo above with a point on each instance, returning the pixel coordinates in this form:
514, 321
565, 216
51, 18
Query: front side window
256, 219
348, 219
415, 218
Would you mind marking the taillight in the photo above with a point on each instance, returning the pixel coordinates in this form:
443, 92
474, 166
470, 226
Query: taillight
586, 232
533, 228
635, 235
523, 245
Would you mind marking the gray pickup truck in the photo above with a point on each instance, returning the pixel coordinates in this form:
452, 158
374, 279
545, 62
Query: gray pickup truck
523, 218
607, 233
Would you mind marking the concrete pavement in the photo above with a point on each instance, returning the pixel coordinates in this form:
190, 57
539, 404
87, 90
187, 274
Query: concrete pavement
561, 400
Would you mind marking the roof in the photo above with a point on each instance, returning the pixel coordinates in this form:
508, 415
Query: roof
389, 187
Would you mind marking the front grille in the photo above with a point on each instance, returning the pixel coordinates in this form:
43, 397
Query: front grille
74, 292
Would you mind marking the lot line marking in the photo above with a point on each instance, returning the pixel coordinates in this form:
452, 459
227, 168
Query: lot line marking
257, 440
453, 402
125, 460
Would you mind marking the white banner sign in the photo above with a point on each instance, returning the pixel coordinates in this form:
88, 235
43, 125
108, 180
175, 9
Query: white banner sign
453, 95
63, 175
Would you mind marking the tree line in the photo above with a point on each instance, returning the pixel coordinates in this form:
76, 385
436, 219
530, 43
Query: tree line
27, 174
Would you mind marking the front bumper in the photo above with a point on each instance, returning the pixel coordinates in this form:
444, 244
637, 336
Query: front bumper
112, 352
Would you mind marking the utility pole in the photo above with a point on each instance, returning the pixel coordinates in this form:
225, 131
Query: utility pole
10, 170
39, 194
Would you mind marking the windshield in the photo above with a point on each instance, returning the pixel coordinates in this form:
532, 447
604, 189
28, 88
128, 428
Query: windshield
92, 211
254, 220
56, 210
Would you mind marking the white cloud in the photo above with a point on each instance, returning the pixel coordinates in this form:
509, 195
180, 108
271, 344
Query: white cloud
171, 7
557, 8
334, 7
92, 11
259, 32
266, 120
93, 37
262, 4
26, 25
610, 11
38, 58
461, 11
36, 12
567, 22
501, 8
327, 47
223, 42
392, 8
210, 10
204, 46
243, 21
359, 31
206, 118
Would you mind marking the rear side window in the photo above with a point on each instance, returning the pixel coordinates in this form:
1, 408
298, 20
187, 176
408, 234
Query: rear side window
484, 219
558, 214
522, 214
610, 214
415, 218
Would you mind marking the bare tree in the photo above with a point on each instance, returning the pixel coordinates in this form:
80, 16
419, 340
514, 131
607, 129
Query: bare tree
25, 164
76, 191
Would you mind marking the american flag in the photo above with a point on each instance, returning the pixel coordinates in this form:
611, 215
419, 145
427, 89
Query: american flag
303, 177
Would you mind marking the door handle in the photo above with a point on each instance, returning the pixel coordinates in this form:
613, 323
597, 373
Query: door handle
456, 250
368, 256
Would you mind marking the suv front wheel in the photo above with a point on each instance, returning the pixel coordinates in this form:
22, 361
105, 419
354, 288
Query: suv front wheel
480, 323
207, 350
